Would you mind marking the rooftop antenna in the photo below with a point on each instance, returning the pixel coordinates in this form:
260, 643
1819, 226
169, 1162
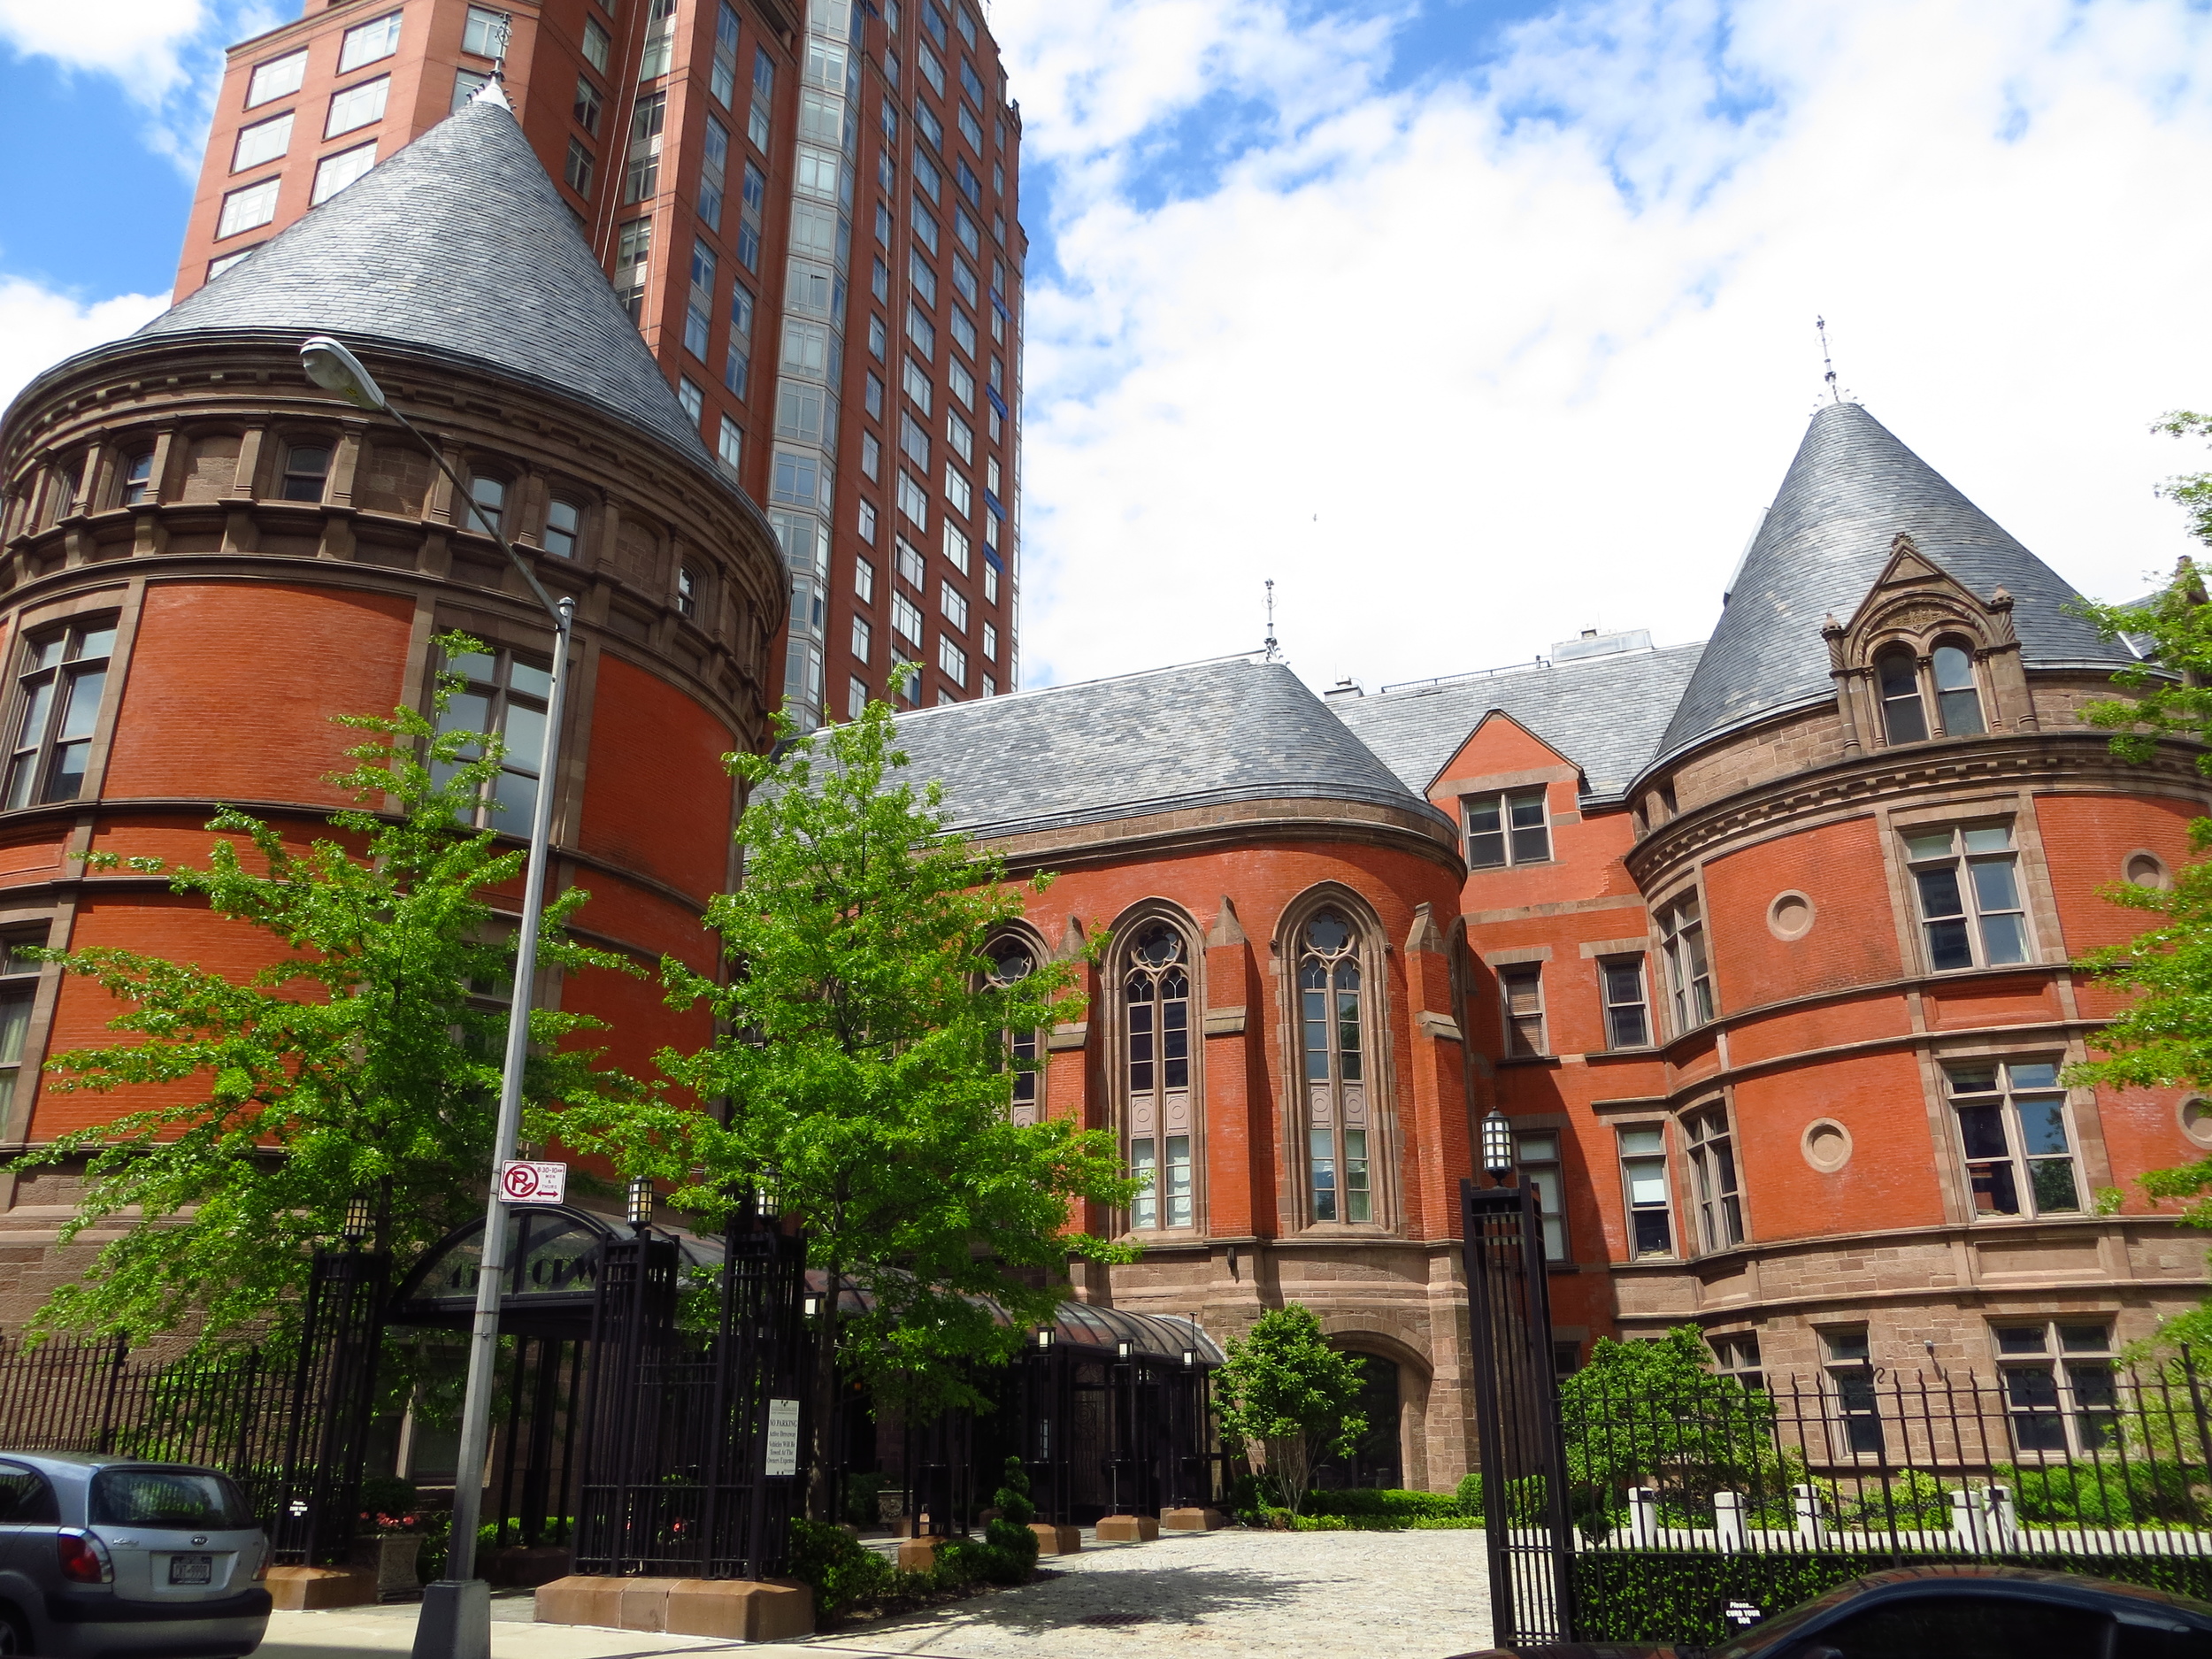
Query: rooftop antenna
1835, 397
1272, 651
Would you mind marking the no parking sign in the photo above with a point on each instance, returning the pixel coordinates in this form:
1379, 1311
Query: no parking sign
522, 1183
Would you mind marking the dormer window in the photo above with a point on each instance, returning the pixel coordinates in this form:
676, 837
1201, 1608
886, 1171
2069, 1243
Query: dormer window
1904, 717
1958, 702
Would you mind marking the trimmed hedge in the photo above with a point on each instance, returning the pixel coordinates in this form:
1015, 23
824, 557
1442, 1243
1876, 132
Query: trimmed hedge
1384, 1504
1679, 1595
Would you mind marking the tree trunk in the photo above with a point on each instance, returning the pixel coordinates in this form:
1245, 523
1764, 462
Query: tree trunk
821, 1497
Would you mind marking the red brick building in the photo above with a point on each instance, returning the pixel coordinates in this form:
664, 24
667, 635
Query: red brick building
809, 208
1760, 944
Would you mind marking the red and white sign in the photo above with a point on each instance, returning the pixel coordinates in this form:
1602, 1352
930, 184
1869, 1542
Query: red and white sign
533, 1183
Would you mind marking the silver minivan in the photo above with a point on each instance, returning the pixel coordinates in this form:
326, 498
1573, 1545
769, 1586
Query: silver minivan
111, 1556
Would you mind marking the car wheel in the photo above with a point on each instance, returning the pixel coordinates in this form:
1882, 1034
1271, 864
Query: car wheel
13, 1638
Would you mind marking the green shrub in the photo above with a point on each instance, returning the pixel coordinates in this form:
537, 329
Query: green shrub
861, 1493
1010, 1546
2099, 1494
1470, 1493
1915, 1500
841, 1571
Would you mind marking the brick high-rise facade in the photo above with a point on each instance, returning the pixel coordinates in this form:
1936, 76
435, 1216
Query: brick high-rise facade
810, 208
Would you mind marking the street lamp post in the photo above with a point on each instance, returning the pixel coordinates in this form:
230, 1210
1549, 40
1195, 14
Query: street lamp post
1497, 1145
455, 1621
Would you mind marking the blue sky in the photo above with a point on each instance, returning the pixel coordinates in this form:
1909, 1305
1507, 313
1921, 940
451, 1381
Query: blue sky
1470, 322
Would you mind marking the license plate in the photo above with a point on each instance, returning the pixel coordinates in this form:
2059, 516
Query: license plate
191, 1569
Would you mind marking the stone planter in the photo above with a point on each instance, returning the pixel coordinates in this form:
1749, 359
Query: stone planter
525, 1567
393, 1557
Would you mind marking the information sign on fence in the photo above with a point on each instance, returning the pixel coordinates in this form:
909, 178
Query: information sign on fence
783, 1438
521, 1183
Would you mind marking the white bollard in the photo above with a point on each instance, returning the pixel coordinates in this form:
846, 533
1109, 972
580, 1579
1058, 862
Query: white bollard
1812, 1525
1728, 1524
2004, 1520
1967, 1531
1643, 1517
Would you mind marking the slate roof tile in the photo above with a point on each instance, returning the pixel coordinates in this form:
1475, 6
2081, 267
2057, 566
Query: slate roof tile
1144, 743
1603, 713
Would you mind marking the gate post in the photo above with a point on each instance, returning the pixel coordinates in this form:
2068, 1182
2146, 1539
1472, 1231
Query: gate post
334, 1393
1517, 1418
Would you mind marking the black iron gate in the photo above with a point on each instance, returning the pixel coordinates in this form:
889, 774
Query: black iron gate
680, 1477
1516, 1412
333, 1394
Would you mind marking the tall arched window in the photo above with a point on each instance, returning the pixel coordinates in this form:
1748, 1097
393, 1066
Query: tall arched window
1155, 1011
1904, 717
1958, 699
1011, 959
1330, 1027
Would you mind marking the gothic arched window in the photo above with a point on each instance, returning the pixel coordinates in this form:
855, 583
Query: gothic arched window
1011, 959
1958, 700
1156, 1015
1330, 1040
1904, 717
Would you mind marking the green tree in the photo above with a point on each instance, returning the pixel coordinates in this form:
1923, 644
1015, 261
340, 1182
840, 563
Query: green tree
1285, 1391
362, 1060
1654, 1414
865, 1073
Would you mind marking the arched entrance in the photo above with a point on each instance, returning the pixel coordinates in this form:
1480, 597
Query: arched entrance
1378, 1460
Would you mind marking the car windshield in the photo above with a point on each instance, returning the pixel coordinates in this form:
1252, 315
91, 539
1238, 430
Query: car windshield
1768, 1636
167, 1497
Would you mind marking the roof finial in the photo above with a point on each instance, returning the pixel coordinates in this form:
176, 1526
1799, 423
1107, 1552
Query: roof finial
1272, 651
1835, 397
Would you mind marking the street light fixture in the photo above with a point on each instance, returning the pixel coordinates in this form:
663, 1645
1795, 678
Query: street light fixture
360, 1218
455, 1622
1497, 1145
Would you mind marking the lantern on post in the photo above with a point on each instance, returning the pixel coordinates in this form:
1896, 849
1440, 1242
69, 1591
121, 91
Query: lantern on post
639, 1208
1497, 1145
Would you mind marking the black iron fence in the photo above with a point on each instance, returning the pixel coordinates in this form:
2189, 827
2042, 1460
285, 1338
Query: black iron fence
235, 1413
2046, 1459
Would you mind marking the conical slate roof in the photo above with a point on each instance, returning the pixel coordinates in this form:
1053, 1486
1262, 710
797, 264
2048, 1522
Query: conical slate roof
459, 245
1849, 492
1139, 744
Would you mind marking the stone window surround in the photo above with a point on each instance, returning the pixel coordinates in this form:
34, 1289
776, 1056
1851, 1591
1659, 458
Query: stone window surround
56, 921
126, 599
1125, 930
2016, 807
1293, 1204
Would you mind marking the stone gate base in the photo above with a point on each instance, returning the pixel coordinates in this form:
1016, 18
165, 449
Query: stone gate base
736, 1609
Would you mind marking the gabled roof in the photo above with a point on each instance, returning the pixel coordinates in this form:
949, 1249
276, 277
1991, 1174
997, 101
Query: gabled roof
1140, 744
1852, 488
459, 245
1604, 713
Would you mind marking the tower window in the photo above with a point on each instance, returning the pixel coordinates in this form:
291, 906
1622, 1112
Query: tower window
1011, 960
1904, 718
1967, 883
306, 470
505, 697
138, 480
1690, 976
564, 527
489, 496
1713, 1172
687, 592
1957, 700
58, 690
2012, 1128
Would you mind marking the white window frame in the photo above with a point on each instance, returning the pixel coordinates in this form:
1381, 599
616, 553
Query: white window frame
1716, 1177
1647, 1191
335, 172
276, 131
359, 105
1524, 1022
1498, 813
1537, 1156
370, 43
248, 207
279, 78
1977, 863
1689, 963
1634, 967
2029, 1108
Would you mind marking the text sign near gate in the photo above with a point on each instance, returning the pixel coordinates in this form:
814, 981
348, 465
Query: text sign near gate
1516, 1418
522, 1183
783, 1438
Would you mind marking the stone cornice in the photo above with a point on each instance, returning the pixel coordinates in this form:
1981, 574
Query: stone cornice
2079, 760
1232, 824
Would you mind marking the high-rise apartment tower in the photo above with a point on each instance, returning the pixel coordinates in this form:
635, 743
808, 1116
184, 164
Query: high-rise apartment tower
809, 208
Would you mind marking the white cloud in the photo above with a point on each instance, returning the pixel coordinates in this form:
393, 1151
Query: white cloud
1535, 343
166, 55
39, 327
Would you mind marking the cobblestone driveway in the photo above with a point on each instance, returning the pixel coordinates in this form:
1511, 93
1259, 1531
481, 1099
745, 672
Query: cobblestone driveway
1223, 1595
